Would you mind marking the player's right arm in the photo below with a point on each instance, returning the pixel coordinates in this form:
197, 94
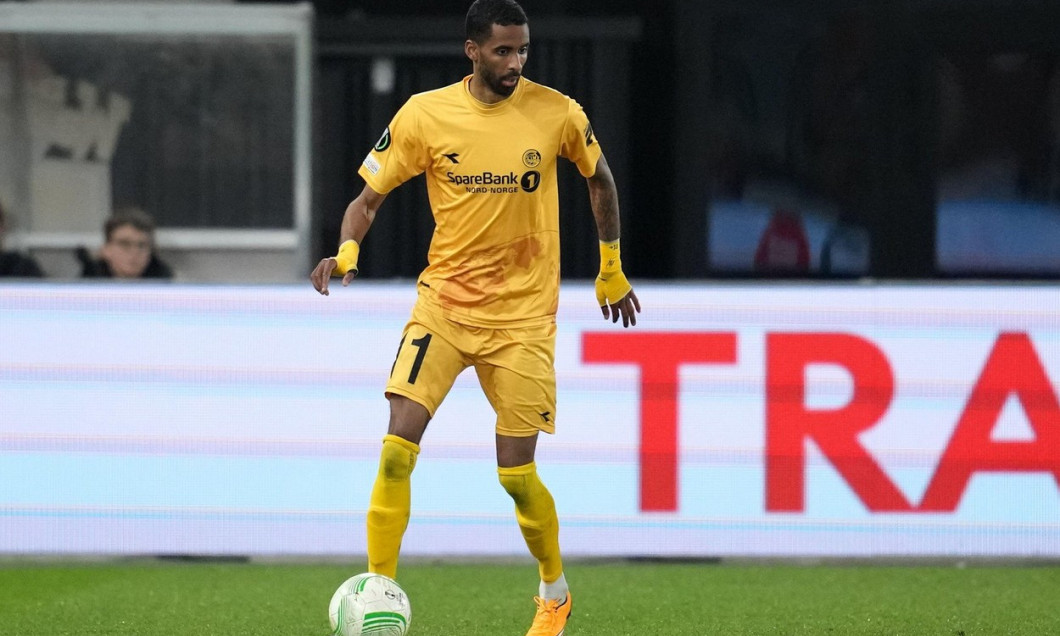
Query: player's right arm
399, 155
355, 223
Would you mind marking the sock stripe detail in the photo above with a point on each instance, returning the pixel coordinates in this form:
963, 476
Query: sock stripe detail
516, 471
401, 441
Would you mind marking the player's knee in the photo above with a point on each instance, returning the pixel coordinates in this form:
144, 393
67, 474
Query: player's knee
408, 418
514, 485
519, 481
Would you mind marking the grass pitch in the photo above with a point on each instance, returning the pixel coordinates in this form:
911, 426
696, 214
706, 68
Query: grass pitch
165, 598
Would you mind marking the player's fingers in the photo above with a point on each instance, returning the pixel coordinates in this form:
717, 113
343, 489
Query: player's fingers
603, 309
632, 314
319, 279
348, 278
636, 303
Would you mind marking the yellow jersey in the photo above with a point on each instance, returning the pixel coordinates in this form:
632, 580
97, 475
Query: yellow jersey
492, 185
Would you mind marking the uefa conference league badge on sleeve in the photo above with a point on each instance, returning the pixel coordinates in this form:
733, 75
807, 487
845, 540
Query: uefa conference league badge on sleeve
380, 146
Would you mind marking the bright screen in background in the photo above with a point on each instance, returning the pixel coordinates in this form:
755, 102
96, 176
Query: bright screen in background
733, 420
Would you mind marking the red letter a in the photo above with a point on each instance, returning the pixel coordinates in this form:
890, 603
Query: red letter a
1013, 367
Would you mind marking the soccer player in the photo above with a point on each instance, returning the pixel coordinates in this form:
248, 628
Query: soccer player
489, 146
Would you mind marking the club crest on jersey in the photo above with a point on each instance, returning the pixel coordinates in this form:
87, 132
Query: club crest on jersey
384, 141
531, 158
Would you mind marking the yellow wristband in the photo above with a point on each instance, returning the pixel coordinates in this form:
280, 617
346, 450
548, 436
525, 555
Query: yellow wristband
346, 259
610, 258
611, 285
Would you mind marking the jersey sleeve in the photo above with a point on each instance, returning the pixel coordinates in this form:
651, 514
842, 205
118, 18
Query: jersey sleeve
579, 143
399, 154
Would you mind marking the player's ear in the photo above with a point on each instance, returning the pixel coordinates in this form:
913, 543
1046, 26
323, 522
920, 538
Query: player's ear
471, 50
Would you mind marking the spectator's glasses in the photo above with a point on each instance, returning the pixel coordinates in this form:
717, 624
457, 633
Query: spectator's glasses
131, 245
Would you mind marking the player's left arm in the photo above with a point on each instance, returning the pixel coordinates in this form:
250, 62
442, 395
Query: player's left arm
613, 291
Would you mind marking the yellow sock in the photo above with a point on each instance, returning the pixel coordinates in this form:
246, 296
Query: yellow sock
388, 509
536, 512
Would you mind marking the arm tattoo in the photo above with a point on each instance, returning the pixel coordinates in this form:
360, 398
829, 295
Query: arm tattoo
603, 197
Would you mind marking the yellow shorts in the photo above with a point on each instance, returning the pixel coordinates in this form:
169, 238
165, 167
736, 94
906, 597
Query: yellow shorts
515, 367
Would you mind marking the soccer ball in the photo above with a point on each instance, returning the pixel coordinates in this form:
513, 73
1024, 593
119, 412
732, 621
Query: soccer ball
370, 604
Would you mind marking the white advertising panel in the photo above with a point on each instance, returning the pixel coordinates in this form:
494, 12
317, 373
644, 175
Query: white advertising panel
733, 420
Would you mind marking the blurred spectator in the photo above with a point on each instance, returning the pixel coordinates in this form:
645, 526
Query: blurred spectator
14, 264
995, 139
128, 250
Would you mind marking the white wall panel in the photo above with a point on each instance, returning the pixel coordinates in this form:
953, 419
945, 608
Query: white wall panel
246, 420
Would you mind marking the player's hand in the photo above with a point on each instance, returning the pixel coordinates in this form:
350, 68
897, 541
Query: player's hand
613, 292
344, 263
617, 299
322, 274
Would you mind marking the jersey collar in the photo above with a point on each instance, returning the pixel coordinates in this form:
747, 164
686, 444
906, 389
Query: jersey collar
493, 109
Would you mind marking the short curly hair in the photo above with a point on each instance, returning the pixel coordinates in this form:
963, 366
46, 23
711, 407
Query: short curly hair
483, 14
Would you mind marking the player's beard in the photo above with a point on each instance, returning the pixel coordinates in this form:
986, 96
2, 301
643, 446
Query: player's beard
495, 83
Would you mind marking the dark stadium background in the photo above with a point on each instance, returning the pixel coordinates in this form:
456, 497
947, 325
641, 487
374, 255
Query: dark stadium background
659, 131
